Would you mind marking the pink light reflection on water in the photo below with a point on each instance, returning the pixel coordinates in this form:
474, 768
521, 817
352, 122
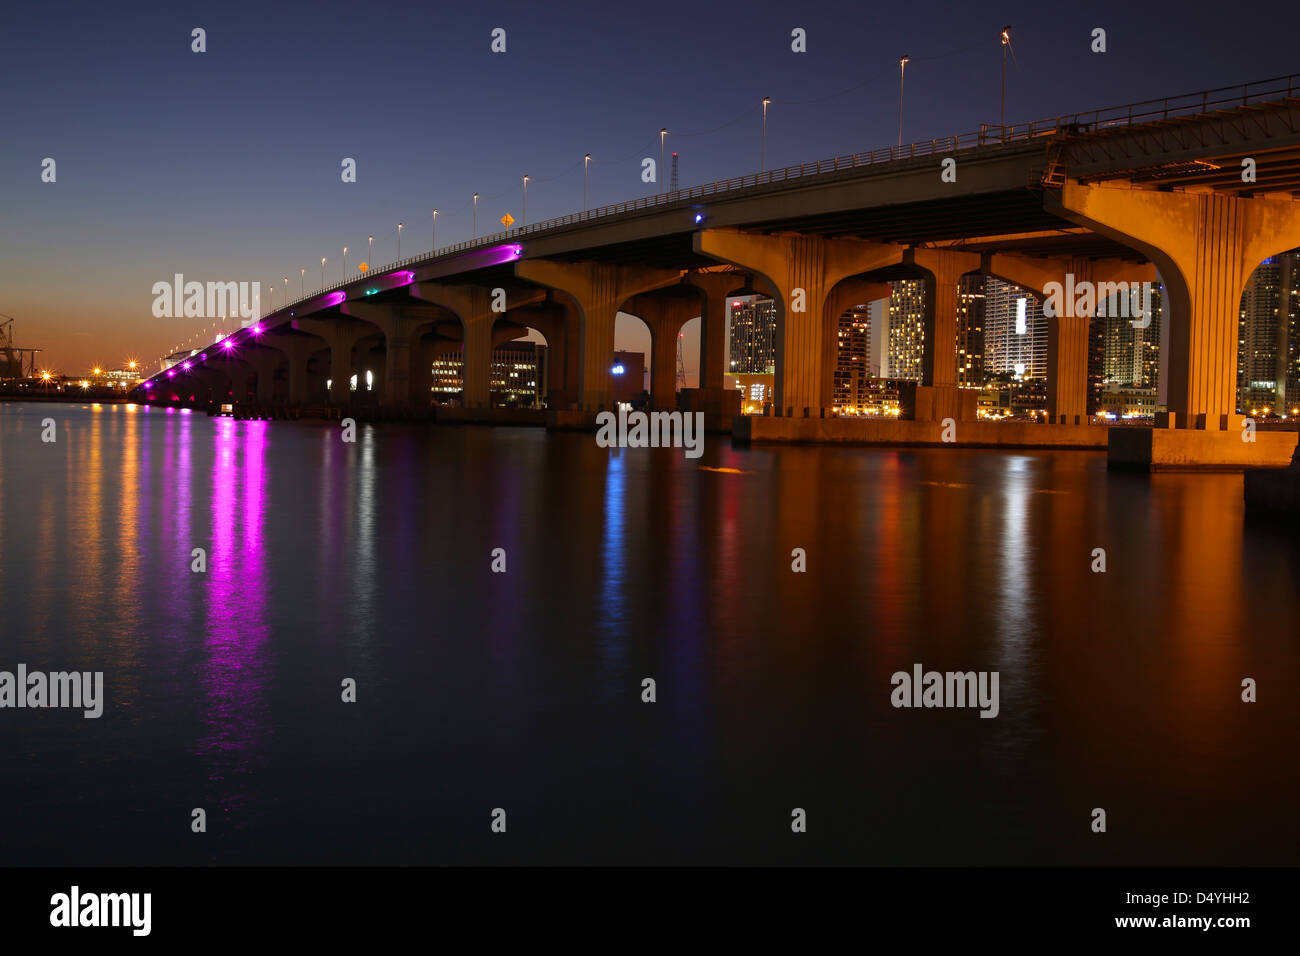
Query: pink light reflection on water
234, 676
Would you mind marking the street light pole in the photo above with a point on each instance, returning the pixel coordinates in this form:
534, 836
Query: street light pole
902, 65
586, 162
370, 263
345, 263
286, 290
1006, 42
762, 161
660, 170
476, 215
399, 241
435, 230
322, 273
525, 215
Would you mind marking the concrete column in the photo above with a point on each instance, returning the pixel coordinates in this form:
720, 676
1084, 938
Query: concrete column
714, 287
1067, 333
557, 320
803, 270
474, 306
264, 362
938, 397
235, 372
401, 325
342, 335
665, 316
599, 289
1205, 245
297, 350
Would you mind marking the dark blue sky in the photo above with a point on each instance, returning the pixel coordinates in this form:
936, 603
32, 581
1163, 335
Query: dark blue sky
225, 165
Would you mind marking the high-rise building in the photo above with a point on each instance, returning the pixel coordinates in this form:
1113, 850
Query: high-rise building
852, 368
1015, 332
1130, 350
1262, 339
1289, 387
906, 348
752, 336
970, 330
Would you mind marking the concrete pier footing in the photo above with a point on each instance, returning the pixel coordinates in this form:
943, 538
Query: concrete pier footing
1186, 449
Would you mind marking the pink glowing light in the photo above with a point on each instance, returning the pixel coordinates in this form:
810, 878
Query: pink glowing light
171, 374
186, 366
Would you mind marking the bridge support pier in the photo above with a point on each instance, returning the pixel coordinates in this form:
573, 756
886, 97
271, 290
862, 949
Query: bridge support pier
235, 372
297, 350
401, 328
937, 396
557, 320
665, 317
1067, 335
341, 335
599, 290
472, 304
264, 362
803, 271
1205, 245
709, 395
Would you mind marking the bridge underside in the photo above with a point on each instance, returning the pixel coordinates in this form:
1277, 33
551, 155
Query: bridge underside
1112, 204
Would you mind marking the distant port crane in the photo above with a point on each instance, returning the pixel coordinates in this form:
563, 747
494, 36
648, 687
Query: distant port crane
11, 356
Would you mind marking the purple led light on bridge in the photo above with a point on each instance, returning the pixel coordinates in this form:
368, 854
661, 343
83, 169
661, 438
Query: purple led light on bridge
171, 374
227, 344
334, 298
499, 254
257, 329
186, 366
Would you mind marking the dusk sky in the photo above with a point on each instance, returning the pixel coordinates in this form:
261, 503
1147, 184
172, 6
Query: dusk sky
225, 165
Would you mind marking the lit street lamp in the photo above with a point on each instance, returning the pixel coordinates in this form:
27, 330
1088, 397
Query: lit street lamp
525, 212
1006, 42
322, 273
762, 162
902, 64
399, 240
476, 215
435, 230
345, 263
660, 171
586, 162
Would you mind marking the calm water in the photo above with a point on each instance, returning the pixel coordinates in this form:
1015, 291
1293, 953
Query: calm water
522, 690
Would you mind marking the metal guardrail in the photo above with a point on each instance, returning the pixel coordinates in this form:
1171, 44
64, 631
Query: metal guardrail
1134, 114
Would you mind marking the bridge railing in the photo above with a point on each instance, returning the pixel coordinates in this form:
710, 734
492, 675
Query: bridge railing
1133, 114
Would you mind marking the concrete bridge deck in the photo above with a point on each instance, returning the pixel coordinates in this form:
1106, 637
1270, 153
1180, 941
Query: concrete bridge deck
1153, 190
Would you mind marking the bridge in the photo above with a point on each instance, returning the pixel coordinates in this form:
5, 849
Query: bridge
1154, 189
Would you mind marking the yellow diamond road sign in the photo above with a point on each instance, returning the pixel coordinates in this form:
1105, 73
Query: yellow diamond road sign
507, 219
